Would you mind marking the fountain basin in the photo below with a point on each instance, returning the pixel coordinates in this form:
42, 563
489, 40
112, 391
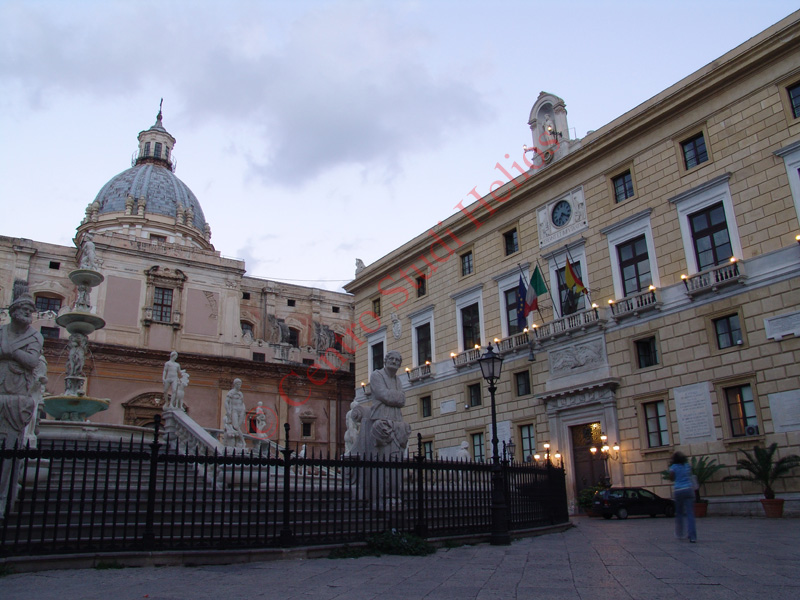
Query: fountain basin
74, 408
86, 277
79, 321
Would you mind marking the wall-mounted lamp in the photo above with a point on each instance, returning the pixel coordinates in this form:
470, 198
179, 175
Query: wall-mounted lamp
605, 450
553, 133
685, 281
797, 238
408, 373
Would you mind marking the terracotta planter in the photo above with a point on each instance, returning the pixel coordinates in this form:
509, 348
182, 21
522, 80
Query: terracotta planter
700, 509
773, 509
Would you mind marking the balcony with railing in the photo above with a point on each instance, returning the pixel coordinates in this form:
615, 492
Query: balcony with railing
512, 342
421, 372
577, 322
466, 358
711, 280
636, 304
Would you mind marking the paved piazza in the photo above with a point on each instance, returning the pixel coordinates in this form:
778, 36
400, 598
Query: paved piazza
595, 560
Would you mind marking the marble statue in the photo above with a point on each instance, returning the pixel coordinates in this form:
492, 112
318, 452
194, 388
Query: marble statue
353, 422
171, 376
232, 438
39, 390
384, 434
261, 420
360, 266
20, 349
176, 401
388, 434
234, 406
76, 357
88, 253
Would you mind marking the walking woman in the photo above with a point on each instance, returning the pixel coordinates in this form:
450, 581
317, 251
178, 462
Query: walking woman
683, 493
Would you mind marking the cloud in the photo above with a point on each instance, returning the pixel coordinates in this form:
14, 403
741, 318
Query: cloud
321, 87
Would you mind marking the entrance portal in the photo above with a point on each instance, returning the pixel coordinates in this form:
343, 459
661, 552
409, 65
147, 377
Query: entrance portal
589, 470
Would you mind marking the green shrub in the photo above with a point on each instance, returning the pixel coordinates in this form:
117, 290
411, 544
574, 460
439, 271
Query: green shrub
388, 542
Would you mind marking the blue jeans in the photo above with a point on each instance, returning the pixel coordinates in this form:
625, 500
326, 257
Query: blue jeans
684, 509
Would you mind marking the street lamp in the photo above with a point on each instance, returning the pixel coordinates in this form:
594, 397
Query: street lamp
548, 455
491, 365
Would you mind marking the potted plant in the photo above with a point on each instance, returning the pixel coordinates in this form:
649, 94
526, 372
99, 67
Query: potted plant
763, 468
585, 498
703, 469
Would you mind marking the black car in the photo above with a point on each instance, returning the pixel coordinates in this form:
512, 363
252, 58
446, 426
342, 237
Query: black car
626, 501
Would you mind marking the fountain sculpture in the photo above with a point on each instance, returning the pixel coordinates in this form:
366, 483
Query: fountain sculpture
80, 322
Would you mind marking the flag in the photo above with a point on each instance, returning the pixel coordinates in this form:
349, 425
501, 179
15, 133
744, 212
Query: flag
535, 289
572, 280
522, 321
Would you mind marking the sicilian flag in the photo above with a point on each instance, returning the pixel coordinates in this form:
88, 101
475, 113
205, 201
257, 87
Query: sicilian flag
572, 280
522, 314
535, 289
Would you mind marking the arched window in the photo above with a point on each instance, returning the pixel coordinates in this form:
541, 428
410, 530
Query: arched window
247, 328
45, 302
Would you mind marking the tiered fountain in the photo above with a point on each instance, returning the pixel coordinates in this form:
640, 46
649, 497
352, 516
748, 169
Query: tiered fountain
80, 322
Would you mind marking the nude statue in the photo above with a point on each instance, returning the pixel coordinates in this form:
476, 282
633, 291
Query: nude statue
177, 400
234, 405
171, 376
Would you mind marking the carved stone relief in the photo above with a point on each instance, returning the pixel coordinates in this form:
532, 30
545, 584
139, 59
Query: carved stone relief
579, 357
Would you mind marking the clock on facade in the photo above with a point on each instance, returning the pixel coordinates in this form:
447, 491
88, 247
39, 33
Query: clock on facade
562, 211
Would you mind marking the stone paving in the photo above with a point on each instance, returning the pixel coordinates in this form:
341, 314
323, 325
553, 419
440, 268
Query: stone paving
734, 558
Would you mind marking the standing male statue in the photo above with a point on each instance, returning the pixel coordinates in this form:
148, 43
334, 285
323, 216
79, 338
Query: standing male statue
20, 348
384, 433
388, 432
171, 377
234, 405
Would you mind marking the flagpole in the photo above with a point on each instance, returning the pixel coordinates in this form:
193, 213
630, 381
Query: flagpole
549, 291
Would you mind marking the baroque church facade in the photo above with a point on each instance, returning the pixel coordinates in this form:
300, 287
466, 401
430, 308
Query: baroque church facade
669, 243
166, 288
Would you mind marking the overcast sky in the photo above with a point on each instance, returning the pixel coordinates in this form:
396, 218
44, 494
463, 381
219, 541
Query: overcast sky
314, 132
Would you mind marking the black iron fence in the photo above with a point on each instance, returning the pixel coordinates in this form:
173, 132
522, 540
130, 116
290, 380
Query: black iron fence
69, 497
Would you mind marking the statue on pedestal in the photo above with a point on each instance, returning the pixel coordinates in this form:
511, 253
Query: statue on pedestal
384, 434
171, 376
234, 414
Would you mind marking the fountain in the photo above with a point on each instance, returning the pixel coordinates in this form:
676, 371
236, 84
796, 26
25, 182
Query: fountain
80, 322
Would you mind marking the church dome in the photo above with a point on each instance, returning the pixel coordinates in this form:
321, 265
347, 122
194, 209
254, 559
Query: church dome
148, 200
158, 185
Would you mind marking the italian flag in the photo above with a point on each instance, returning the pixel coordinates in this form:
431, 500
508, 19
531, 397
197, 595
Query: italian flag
535, 289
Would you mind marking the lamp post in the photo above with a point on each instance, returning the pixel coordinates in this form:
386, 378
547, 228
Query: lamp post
491, 365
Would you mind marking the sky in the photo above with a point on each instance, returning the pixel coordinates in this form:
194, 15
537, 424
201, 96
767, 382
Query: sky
316, 132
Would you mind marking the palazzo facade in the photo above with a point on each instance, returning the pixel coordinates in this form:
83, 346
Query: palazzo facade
680, 218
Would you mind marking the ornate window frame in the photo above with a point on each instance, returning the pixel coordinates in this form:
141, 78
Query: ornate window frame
164, 277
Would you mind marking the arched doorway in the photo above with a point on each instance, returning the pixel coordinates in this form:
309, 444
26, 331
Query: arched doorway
141, 410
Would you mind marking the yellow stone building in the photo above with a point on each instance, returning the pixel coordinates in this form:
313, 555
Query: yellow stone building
680, 219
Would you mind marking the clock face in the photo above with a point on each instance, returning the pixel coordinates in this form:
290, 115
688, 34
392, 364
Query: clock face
562, 211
